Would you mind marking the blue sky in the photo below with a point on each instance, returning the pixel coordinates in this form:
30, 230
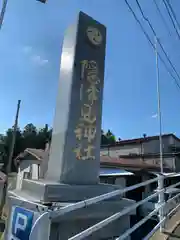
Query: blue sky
30, 49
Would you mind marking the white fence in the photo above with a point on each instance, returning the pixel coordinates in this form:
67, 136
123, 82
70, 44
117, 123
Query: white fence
158, 210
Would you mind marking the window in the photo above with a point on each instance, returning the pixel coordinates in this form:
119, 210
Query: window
27, 175
38, 171
110, 180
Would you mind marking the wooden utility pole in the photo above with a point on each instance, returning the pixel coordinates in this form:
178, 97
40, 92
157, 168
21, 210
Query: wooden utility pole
3, 10
8, 169
11, 151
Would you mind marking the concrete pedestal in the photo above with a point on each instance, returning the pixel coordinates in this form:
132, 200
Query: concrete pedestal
47, 191
77, 221
63, 227
67, 229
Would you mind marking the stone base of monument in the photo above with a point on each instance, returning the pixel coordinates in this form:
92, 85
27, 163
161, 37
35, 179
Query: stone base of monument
51, 195
46, 191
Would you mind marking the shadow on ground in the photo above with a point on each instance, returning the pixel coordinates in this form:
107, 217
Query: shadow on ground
174, 235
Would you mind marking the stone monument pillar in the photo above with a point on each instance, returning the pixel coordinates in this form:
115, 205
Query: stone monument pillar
72, 171
75, 147
74, 159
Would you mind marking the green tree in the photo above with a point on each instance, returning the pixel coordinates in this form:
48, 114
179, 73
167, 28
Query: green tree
107, 138
104, 139
43, 136
111, 137
6, 141
31, 137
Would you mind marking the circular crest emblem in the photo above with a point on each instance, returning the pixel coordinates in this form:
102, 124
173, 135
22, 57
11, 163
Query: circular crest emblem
94, 36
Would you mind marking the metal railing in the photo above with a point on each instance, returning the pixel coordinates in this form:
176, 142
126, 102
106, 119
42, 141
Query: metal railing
159, 209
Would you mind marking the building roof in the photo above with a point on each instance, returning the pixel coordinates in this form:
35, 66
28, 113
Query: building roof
149, 155
107, 172
129, 164
139, 140
39, 154
125, 163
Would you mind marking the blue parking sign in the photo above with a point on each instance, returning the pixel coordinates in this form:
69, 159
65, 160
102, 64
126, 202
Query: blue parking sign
22, 221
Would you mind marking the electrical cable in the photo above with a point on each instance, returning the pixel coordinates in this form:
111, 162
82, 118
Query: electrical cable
150, 25
172, 20
151, 43
162, 17
173, 13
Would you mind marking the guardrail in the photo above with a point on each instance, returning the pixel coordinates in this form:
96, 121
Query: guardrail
158, 210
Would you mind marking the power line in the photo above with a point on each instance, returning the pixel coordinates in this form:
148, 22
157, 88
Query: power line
165, 53
173, 13
145, 18
172, 20
149, 40
162, 17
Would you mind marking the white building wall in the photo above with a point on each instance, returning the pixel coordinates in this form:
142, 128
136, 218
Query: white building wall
121, 150
35, 171
175, 142
19, 179
147, 147
29, 167
151, 147
121, 181
23, 167
147, 188
170, 162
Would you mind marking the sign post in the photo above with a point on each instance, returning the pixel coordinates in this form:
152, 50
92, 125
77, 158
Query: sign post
27, 224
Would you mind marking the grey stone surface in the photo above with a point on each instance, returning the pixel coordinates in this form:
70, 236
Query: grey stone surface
75, 147
46, 191
74, 222
99, 210
66, 229
73, 177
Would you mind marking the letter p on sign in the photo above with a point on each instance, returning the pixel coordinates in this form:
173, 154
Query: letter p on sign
22, 223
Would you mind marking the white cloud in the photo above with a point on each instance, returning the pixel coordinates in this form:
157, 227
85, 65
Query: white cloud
27, 49
36, 59
39, 60
154, 115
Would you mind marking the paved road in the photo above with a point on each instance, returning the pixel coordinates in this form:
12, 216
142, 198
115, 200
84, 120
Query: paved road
175, 235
